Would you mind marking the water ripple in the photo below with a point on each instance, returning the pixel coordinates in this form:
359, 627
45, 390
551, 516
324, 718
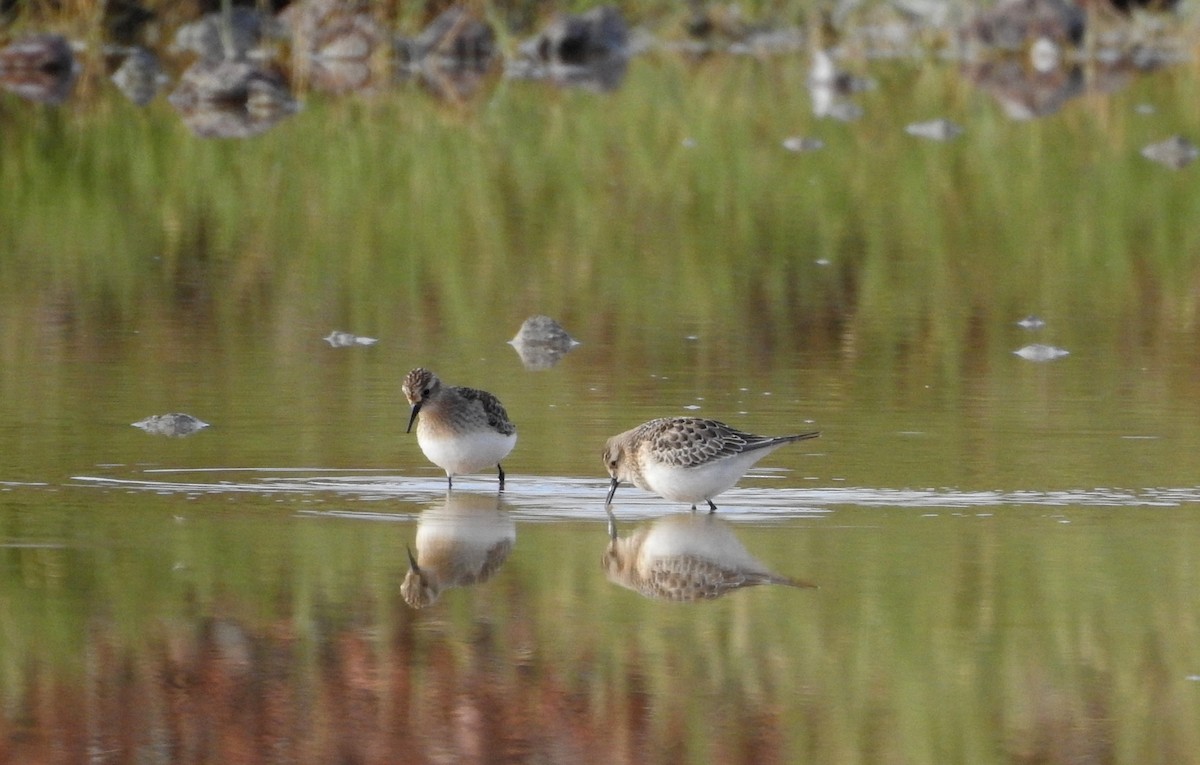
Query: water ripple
549, 498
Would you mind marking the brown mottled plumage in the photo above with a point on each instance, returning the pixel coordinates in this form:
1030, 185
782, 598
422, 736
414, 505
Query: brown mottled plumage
460, 543
687, 459
685, 558
461, 430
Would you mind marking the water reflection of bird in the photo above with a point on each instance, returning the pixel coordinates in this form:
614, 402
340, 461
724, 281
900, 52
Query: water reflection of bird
684, 558
462, 430
687, 459
463, 541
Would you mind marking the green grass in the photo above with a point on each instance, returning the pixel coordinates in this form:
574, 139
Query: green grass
398, 210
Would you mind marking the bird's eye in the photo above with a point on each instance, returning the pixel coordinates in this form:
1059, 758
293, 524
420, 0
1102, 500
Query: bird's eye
425, 392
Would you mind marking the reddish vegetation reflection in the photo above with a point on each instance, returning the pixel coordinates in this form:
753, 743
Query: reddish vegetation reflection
220, 692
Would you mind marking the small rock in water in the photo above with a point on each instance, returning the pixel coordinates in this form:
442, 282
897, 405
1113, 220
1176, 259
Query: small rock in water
800, 144
1175, 152
935, 130
1041, 352
176, 424
1045, 55
541, 342
543, 329
140, 76
1031, 322
216, 36
39, 67
339, 339
595, 35
232, 98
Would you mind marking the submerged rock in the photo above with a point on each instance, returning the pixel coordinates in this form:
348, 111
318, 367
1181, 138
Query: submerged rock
590, 50
453, 57
334, 43
124, 20
542, 342
1023, 93
217, 36
339, 339
332, 29
800, 144
569, 39
823, 72
830, 88
231, 99
176, 424
1175, 152
1017, 24
935, 130
39, 67
38, 52
1041, 352
454, 37
140, 76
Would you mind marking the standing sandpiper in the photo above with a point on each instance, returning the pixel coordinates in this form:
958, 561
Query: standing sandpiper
687, 459
462, 430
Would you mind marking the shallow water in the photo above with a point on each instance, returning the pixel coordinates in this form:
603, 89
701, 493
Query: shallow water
1005, 550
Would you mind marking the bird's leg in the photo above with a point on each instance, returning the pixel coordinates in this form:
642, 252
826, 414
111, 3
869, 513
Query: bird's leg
711, 507
501, 469
449, 481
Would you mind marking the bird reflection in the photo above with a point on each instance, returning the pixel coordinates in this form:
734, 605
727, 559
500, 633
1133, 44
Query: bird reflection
463, 541
684, 558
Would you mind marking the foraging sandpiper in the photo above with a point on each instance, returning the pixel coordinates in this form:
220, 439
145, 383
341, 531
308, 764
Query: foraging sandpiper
462, 430
687, 459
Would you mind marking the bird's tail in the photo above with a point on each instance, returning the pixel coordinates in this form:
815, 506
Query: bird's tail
781, 440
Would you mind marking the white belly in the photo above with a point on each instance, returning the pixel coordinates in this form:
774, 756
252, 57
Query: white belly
469, 453
697, 484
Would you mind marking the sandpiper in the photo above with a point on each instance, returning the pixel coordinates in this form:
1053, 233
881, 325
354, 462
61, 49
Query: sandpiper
462, 430
685, 558
687, 459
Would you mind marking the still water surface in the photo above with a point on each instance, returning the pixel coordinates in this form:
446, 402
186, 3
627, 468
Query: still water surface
1005, 550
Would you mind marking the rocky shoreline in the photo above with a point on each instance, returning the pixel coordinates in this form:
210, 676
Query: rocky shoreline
238, 72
